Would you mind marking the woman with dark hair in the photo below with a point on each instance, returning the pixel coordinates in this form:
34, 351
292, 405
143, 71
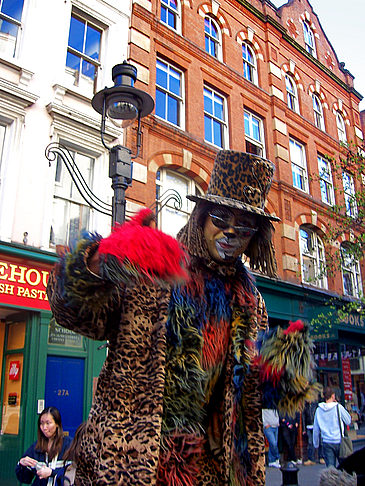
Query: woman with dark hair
42, 462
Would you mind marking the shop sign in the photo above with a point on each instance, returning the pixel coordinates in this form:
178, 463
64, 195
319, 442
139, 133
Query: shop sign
23, 283
353, 320
347, 384
14, 370
61, 336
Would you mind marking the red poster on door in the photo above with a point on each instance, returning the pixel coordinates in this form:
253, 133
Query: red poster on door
14, 370
347, 384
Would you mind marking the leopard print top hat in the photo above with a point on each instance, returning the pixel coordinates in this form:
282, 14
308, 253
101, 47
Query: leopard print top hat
240, 180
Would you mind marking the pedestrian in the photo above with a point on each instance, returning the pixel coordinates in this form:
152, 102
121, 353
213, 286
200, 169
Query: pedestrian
270, 420
289, 430
178, 400
42, 462
308, 420
72, 457
327, 424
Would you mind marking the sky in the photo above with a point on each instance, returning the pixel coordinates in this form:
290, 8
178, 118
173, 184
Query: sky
343, 24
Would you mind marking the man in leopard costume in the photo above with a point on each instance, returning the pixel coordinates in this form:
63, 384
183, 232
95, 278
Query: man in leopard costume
179, 398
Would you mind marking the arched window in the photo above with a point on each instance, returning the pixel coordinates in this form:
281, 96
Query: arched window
249, 63
313, 260
170, 14
291, 93
341, 130
310, 45
350, 272
213, 43
172, 218
318, 112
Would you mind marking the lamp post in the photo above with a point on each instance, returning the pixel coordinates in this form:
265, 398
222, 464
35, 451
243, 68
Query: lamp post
122, 105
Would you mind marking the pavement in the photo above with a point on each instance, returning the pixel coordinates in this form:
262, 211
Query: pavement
307, 475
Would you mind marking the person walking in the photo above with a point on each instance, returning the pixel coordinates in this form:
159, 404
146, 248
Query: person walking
289, 430
308, 420
326, 423
270, 421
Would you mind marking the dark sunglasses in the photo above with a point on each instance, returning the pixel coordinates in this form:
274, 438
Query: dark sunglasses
223, 224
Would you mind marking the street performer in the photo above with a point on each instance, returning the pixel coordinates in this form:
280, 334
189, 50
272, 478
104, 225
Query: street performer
190, 359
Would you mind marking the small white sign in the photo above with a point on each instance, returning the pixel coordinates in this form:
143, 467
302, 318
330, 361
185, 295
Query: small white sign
40, 406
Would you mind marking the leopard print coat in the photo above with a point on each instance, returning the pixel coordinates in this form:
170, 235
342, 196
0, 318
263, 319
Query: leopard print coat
122, 441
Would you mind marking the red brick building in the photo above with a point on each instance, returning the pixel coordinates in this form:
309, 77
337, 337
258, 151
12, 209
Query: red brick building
252, 77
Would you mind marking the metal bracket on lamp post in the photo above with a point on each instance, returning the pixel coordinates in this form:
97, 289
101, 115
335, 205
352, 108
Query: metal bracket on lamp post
54, 150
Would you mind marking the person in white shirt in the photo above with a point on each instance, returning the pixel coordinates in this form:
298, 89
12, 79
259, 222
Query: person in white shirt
326, 423
270, 419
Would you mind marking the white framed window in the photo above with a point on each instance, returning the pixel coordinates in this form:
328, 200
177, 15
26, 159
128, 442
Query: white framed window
310, 45
341, 128
254, 134
172, 216
83, 49
11, 12
318, 112
349, 195
325, 180
351, 275
71, 214
213, 38
249, 63
291, 93
215, 118
298, 165
313, 261
169, 93
170, 14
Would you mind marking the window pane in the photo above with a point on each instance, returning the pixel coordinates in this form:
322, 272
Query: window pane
208, 103
172, 19
163, 14
76, 35
218, 107
172, 109
92, 46
9, 28
218, 137
174, 82
12, 8
255, 129
160, 108
208, 129
161, 74
88, 69
73, 61
247, 124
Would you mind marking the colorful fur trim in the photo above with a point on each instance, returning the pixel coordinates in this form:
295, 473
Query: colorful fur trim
286, 368
82, 288
178, 461
138, 252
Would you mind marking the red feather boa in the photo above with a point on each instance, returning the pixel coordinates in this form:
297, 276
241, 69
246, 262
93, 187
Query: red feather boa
153, 253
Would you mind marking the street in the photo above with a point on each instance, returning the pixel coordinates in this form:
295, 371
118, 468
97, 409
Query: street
307, 475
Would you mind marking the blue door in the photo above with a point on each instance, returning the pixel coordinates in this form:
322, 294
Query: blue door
65, 390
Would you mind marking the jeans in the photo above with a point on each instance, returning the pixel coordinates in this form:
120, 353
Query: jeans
271, 434
310, 444
330, 453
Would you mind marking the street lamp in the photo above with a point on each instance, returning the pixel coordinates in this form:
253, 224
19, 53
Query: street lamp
122, 105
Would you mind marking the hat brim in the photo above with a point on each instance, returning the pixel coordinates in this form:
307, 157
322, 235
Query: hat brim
233, 203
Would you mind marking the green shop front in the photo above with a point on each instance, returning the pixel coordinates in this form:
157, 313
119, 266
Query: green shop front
41, 363
339, 344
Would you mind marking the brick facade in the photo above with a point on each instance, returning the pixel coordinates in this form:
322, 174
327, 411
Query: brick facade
277, 41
